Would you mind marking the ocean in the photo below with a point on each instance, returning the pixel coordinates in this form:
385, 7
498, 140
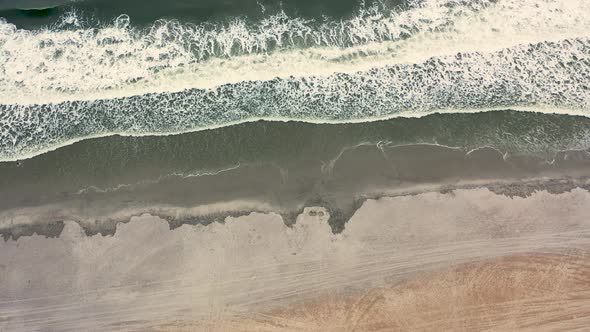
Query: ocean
85, 75
137, 125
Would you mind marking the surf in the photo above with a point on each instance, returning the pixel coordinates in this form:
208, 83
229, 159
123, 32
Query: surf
69, 61
70, 82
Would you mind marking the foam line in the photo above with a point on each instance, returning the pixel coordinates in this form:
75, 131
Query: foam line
71, 82
544, 76
73, 62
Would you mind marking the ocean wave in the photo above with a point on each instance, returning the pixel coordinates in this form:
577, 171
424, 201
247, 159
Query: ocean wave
554, 74
71, 58
288, 164
70, 81
73, 61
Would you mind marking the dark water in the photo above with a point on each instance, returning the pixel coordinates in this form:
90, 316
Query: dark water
144, 12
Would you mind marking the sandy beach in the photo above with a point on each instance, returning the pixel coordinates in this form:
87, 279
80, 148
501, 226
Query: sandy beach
524, 292
468, 259
366, 236
294, 165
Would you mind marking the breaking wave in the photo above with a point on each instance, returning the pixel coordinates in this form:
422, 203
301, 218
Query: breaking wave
71, 80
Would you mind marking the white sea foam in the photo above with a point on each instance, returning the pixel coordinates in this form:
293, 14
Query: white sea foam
68, 83
69, 62
512, 78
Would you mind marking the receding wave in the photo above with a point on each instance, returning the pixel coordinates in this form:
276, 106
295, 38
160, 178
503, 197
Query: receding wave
69, 81
284, 143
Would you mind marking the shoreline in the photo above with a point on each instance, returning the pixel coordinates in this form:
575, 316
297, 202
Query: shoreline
22, 221
308, 165
255, 265
332, 175
535, 109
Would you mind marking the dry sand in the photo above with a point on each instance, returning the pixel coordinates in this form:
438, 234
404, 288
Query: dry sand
468, 259
525, 292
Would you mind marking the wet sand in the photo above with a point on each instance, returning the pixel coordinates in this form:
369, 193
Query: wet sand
340, 184
194, 233
472, 248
